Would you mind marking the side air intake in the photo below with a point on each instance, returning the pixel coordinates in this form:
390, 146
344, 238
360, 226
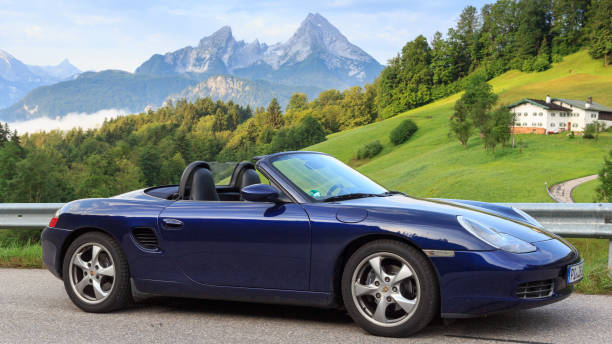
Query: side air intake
145, 237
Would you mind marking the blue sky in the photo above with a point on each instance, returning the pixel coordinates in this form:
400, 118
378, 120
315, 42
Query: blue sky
97, 35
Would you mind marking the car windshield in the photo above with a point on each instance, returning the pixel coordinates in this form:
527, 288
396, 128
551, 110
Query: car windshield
323, 177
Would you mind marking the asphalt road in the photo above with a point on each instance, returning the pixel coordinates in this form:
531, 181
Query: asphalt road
35, 309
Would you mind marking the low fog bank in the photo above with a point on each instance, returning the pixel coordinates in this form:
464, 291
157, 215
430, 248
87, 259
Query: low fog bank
67, 122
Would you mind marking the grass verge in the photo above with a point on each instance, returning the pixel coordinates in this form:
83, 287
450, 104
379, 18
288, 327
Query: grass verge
595, 255
16, 255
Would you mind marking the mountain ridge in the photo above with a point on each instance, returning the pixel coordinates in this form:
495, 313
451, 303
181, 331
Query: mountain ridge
316, 57
220, 53
18, 78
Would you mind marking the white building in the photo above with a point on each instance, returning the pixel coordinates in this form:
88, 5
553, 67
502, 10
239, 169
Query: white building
554, 115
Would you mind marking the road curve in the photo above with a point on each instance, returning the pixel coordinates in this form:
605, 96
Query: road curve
562, 192
35, 309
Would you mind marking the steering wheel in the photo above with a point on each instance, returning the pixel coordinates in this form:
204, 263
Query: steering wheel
333, 188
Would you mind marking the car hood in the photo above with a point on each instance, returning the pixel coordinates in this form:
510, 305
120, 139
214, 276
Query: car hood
501, 218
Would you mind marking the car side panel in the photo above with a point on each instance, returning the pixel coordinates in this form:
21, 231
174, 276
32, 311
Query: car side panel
117, 217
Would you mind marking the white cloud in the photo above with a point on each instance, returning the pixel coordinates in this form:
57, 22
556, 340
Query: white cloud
71, 120
34, 31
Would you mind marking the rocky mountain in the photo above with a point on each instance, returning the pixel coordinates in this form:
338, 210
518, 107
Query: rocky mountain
242, 91
17, 78
62, 71
317, 55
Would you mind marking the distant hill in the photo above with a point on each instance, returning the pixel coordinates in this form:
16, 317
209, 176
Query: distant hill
91, 92
17, 78
315, 58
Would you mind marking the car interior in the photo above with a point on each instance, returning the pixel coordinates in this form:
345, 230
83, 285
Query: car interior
197, 184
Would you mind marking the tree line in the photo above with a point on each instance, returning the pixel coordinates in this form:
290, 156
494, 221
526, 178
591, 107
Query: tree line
526, 35
153, 148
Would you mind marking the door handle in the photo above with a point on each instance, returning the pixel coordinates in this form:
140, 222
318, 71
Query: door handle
173, 223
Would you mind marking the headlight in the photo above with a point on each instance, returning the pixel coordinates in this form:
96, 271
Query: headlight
494, 238
527, 217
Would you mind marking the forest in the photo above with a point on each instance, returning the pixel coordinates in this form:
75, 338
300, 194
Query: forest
152, 148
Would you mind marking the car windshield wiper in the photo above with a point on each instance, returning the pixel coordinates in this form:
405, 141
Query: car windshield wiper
391, 193
351, 196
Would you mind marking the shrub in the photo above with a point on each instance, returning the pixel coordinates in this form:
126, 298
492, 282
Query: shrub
369, 150
403, 132
590, 131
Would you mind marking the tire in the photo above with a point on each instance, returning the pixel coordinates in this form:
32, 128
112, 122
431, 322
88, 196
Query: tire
87, 274
398, 301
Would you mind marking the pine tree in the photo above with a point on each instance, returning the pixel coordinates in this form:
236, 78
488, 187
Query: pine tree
600, 27
274, 115
604, 190
460, 125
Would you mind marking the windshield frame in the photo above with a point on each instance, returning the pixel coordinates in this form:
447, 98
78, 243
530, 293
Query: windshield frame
265, 165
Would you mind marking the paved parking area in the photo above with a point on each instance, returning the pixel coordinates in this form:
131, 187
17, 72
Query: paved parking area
35, 309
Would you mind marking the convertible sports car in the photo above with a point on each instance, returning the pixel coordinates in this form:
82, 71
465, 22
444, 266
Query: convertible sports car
317, 233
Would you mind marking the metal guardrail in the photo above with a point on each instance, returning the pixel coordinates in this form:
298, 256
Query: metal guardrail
573, 220
27, 215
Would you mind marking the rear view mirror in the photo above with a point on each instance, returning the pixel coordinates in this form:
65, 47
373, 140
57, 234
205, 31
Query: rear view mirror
260, 193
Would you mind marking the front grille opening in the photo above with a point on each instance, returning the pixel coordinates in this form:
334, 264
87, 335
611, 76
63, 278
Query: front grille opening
535, 290
145, 237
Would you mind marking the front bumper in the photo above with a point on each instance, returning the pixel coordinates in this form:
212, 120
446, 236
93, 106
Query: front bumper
476, 283
52, 242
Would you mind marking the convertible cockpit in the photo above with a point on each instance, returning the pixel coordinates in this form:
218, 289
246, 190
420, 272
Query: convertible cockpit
203, 181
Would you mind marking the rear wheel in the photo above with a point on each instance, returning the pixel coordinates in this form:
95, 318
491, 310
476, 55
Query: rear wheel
95, 273
390, 289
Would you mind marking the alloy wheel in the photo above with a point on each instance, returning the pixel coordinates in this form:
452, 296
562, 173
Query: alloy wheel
92, 272
385, 289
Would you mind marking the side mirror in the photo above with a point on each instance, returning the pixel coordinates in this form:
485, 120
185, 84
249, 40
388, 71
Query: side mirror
260, 193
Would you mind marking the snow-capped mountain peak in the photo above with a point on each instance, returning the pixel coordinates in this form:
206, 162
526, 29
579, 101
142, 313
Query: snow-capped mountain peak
316, 43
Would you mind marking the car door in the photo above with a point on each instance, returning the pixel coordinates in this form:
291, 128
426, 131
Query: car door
239, 244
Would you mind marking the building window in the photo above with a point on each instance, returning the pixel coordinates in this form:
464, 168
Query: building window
575, 125
552, 114
552, 124
539, 124
593, 115
524, 124
533, 124
534, 114
541, 114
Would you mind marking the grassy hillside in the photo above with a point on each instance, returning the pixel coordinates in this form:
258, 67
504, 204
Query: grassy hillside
586, 193
431, 164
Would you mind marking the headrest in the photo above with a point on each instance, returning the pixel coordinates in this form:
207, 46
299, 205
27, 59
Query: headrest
187, 178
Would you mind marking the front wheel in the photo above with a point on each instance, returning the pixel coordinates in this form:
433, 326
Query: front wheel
390, 289
95, 273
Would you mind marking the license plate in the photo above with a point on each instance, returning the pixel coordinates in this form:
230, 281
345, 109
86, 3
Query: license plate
574, 272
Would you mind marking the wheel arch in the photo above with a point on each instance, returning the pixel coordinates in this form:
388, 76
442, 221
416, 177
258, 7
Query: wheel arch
354, 245
72, 237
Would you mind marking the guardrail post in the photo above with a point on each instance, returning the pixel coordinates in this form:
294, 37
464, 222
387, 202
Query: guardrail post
610, 259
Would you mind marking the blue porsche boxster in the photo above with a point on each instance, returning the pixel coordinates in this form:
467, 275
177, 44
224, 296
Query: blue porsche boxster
304, 228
